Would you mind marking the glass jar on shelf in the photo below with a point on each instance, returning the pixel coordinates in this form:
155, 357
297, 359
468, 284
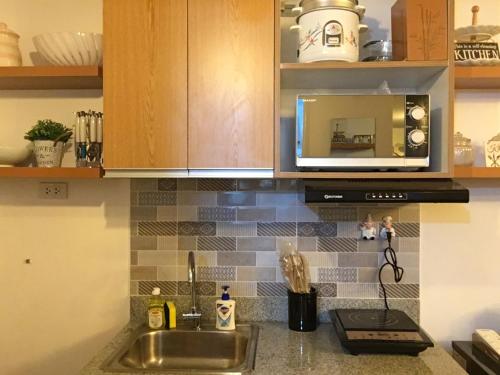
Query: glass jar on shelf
464, 152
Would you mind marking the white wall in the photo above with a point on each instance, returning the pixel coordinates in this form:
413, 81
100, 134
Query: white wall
460, 244
72, 299
57, 312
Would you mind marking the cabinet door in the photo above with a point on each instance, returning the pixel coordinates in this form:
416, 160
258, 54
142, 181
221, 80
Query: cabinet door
145, 84
231, 83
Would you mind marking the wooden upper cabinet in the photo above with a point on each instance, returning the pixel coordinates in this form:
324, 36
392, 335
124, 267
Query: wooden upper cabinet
145, 84
231, 83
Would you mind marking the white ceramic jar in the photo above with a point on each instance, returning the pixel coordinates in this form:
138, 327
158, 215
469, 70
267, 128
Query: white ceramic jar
10, 55
329, 30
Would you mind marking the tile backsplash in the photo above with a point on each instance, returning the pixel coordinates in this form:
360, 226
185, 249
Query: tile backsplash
237, 228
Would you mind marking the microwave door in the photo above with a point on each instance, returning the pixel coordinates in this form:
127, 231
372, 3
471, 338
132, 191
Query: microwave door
350, 131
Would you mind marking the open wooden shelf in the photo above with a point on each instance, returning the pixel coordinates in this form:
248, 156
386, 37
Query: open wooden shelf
477, 77
477, 172
343, 75
64, 173
50, 77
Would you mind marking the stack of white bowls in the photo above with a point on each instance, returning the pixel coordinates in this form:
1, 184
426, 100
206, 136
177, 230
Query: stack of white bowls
10, 55
70, 48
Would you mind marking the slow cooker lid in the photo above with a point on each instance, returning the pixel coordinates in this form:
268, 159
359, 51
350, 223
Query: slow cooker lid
308, 5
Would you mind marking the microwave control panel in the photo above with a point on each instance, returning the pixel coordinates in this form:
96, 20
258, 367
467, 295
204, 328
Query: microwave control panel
417, 126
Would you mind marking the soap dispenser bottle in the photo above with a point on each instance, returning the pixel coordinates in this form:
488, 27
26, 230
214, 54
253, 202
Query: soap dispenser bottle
156, 314
225, 309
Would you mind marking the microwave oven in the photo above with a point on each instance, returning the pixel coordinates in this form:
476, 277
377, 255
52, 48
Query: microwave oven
363, 131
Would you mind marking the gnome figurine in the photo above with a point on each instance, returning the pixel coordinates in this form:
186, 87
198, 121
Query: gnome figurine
387, 227
368, 229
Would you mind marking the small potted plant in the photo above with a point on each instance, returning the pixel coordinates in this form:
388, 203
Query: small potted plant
49, 138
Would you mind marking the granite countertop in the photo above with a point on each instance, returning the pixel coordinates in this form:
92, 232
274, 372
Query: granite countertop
281, 351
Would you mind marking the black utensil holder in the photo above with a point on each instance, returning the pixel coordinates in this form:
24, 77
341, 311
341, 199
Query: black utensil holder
302, 311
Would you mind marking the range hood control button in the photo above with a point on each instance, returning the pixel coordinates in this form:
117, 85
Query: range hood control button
417, 113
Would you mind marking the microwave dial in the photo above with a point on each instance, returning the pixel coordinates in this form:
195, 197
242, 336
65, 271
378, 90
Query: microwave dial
417, 113
416, 137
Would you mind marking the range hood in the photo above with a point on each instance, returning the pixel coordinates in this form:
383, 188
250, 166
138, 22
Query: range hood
385, 191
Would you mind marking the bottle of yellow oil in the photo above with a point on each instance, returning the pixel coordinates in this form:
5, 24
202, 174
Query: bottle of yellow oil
156, 313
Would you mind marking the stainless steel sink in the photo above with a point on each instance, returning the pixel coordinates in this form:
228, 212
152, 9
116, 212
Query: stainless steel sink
188, 350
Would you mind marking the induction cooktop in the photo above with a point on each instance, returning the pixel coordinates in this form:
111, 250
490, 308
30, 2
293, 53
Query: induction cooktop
375, 331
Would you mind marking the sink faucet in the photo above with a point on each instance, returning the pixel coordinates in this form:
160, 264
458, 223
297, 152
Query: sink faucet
194, 315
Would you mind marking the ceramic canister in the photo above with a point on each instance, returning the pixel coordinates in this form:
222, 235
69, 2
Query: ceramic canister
329, 33
10, 55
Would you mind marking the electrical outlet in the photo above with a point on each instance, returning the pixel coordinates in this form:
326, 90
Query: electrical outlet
49, 190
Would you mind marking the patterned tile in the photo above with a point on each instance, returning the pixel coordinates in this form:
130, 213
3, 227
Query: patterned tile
197, 198
256, 244
326, 289
407, 229
159, 228
142, 213
157, 258
307, 214
336, 275
239, 258
339, 245
143, 184
159, 198
217, 243
236, 229
328, 260
287, 185
239, 289
238, 198
277, 199
358, 259
205, 184
167, 184
409, 245
191, 228
370, 275
133, 258
133, 199
186, 184
352, 290
256, 185
286, 214
187, 213
167, 243
167, 213
142, 273
409, 213
400, 291
277, 229
307, 244
216, 273
256, 273
186, 243
134, 288
271, 289
203, 288
338, 214
266, 259
167, 288
317, 229
143, 243
348, 229
216, 214
256, 214
168, 273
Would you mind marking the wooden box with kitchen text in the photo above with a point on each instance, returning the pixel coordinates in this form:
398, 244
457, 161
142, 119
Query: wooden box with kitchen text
420, 30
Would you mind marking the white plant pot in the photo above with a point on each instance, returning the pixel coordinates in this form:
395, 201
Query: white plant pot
47, 155
329, 35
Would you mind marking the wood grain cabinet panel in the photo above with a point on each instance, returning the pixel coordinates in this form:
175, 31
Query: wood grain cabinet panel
231, 83
145, 84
